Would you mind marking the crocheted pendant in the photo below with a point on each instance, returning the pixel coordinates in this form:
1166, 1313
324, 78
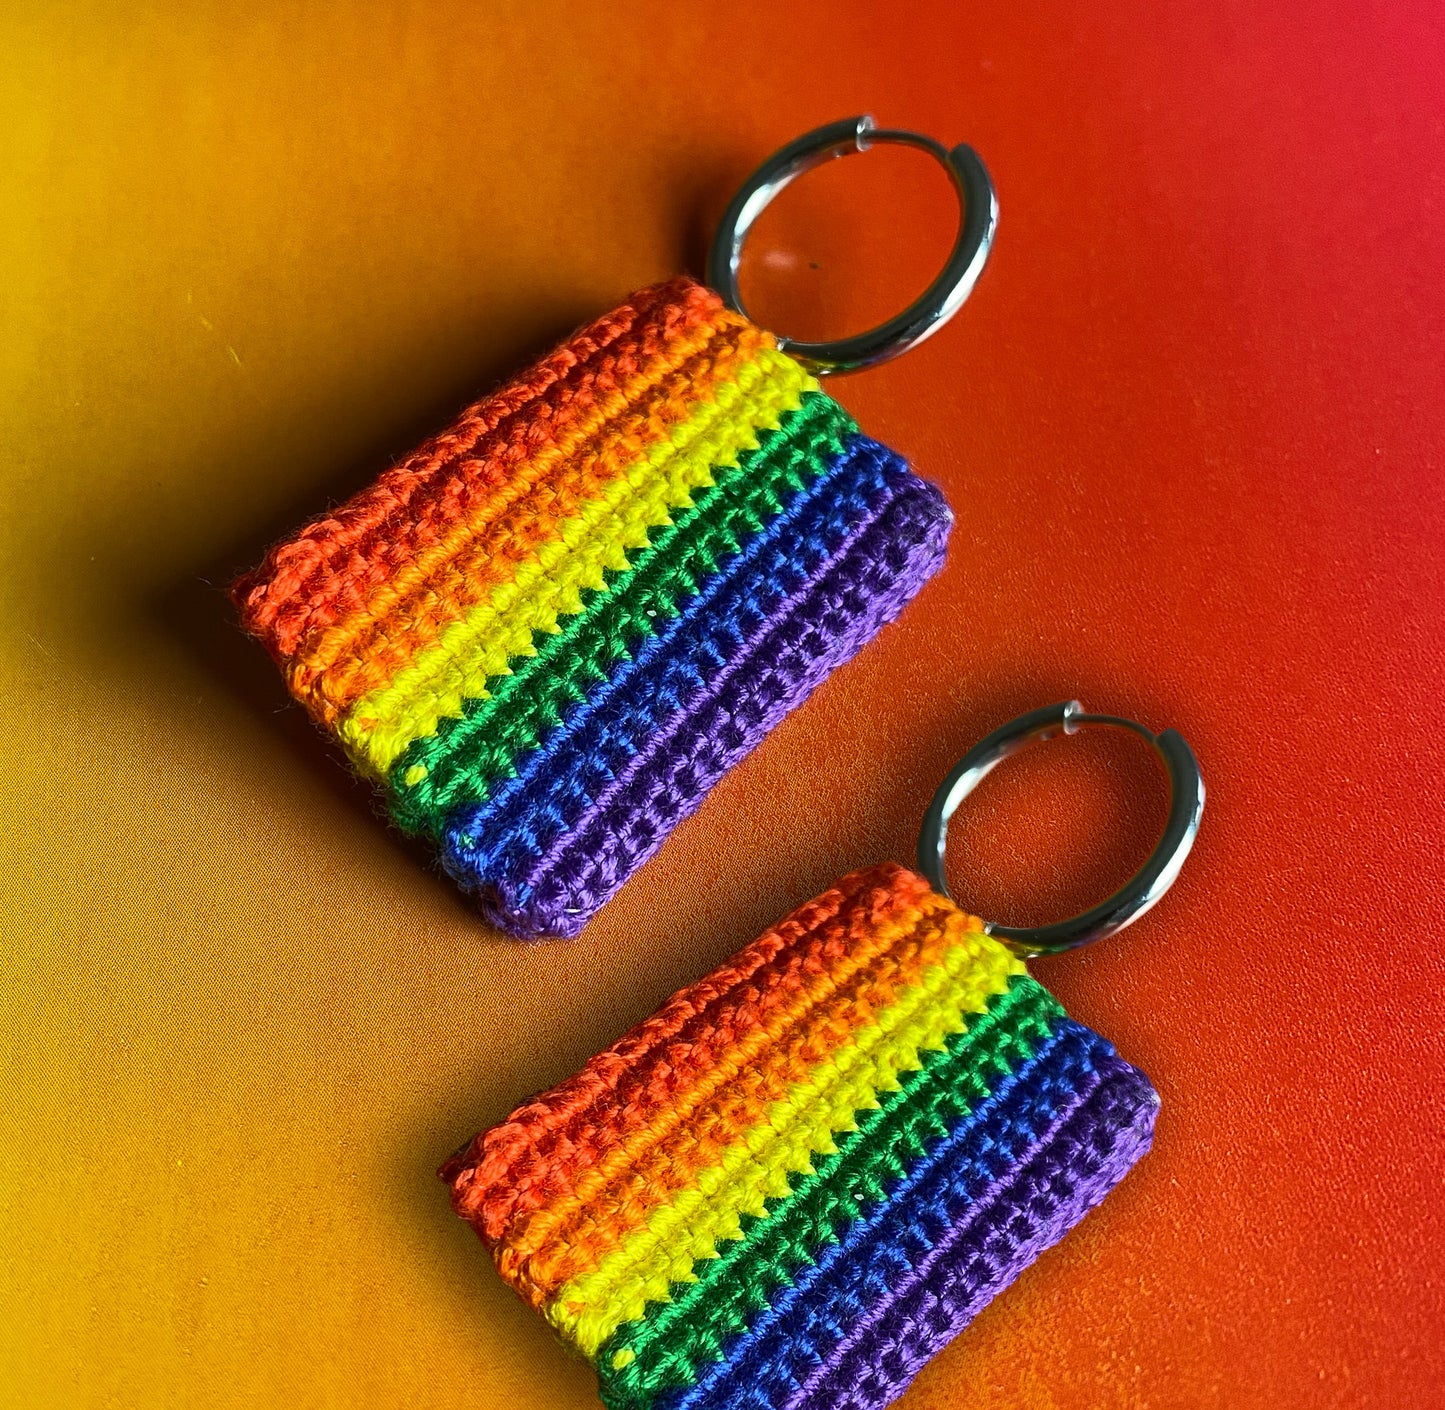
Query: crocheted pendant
553, 628
792, 1185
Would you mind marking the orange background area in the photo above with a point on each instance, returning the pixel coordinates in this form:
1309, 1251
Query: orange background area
1191, 423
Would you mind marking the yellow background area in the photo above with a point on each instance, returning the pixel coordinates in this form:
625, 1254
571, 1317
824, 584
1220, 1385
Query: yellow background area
250, 256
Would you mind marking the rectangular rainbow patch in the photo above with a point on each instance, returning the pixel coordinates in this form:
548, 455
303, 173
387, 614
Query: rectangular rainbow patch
554, 627
799, 1179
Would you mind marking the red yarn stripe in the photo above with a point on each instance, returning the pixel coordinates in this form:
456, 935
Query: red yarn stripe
537, 1154
328, 568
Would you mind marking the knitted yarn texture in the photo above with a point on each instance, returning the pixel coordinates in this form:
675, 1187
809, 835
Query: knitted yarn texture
553, 628
795, 1182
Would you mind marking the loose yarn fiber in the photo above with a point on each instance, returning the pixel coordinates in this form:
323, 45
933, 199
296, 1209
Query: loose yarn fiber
553, 628
795, 1182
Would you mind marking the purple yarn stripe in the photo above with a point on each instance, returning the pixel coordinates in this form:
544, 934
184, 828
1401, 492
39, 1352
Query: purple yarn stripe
1020, 1104
492, 845
950, 1188
838, 609
1097, 1147
802, 643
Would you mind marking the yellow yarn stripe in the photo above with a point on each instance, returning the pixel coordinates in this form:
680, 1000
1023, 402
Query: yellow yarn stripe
525, 1257
725, 340
590, 1308
457, 666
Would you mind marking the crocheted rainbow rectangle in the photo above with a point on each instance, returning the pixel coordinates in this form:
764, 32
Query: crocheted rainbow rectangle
552, 629
803, 1175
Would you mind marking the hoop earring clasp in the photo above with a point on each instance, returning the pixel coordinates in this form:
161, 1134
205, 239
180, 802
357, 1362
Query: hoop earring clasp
1142, 890
933, 308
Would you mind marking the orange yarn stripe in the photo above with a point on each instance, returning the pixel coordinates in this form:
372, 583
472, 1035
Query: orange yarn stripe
334, 668
541, 1151
551, 1247
328, 569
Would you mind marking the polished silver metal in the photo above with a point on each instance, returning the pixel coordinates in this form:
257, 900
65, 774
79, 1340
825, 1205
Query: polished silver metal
1142, 890
933, 308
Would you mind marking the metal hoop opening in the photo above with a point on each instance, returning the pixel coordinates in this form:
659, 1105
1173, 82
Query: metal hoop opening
933, 308
1142, 890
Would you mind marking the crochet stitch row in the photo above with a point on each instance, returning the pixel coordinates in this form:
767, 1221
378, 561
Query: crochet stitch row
795, 1182
550, 631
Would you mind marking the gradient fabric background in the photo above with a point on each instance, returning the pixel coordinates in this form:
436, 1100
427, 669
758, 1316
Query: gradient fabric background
1192, 427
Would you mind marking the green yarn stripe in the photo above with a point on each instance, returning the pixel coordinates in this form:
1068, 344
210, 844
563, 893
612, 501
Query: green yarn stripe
671, 1344
469, 755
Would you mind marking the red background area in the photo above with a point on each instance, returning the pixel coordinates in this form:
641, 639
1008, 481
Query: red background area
1191, 425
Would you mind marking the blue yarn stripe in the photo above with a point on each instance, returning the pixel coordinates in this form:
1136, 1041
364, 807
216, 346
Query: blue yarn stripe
826, 1299
557, 781
971, 1066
